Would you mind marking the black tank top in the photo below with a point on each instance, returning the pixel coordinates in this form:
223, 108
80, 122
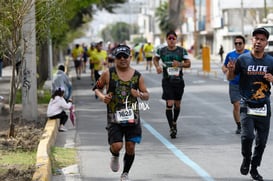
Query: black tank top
121, 97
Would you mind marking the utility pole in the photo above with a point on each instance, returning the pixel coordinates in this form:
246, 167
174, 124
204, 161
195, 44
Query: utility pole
195, 33
29, 71
50, 54
265, 9
242, 17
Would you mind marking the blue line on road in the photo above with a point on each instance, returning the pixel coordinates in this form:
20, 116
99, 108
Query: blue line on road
184, 158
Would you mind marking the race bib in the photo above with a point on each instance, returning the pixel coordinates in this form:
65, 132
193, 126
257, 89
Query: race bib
173, 71
125, 116
261, 111
79, 58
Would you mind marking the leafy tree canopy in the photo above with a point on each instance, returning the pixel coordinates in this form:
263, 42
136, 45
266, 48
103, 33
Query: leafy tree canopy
162, 17
61, 17
119, 32
56, 18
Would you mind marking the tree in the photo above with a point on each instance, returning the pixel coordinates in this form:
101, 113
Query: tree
29, 72
69, 16
168, 15
162, 17
174, 13
12, 15
48, 14
118, 32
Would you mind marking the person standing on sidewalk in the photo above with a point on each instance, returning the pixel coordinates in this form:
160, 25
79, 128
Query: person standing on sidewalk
221, 53
255, 69
174, 59
234, 93
124, 86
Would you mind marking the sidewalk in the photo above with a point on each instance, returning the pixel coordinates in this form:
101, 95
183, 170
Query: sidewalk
215, 68
67, 139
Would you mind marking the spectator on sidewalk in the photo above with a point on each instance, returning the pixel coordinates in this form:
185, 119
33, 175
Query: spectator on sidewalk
60, 79
221, 53
57, 106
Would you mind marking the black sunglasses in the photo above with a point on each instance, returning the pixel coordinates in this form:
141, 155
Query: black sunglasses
171, 38
238, 43
119, 56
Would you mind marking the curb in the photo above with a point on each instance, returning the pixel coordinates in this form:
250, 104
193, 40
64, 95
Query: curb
43, 170
43, 163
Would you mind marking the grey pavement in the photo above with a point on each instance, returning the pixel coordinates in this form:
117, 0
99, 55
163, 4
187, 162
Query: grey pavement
68, 139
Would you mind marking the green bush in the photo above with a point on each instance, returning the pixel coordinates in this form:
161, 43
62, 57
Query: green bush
42, 95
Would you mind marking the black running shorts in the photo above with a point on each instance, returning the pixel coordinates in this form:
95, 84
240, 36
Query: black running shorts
116, 132
172, 91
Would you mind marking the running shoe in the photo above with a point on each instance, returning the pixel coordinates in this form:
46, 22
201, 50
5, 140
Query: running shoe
173, 132
114, 163
62, 128
124, 177
255, 175
245, 166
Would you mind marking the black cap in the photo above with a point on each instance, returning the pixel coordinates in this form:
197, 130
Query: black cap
124, 49
261, 30
61, 67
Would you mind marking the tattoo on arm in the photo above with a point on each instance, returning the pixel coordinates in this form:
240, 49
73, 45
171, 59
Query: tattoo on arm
98, 85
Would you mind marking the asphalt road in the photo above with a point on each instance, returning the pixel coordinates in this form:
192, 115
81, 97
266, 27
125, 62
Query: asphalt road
206, 147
